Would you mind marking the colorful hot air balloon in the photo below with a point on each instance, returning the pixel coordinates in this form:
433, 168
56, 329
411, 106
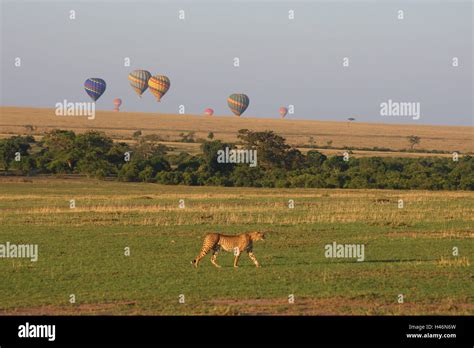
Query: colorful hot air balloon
139, 80
209, 112
283, 111
117, 103
159, 85
95, 87
238, 103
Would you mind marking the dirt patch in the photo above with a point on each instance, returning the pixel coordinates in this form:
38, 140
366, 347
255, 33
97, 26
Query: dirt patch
337, 306
82, 309
252, 307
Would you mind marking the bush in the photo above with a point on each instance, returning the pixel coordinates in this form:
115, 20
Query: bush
169, 178
129, 172
147, 174
279, 165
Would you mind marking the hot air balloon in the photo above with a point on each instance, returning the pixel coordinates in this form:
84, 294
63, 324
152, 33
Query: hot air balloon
159, 85
209, 112
139, 80
283, 111
117, 103
95, 87
238, 103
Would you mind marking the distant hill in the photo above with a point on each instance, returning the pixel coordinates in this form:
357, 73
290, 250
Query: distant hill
121, 125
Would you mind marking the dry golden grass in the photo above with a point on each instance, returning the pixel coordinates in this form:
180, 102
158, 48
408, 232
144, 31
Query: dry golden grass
457, 262
448, 234
229, 206
297, 132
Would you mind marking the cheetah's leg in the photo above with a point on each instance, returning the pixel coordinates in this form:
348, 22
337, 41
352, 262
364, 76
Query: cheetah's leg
236, 260
253, 258
214, 257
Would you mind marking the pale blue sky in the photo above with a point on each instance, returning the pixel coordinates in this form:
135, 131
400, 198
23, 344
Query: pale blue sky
283, 62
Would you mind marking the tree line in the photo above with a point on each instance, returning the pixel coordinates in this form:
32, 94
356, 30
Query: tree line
279, 165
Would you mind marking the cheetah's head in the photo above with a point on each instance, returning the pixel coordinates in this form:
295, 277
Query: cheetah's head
257, 236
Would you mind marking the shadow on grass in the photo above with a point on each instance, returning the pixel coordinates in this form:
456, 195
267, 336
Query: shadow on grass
392, 260
351, 261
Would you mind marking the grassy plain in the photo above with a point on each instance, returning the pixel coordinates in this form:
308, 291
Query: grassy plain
81, 251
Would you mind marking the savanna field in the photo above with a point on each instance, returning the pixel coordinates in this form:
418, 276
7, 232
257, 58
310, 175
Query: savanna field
121, 125
81, 251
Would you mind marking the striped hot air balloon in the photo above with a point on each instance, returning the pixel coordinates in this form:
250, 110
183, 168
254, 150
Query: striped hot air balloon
117, 103
238, 103
139, 80
283, 111
159, 85
95, 87
209, 112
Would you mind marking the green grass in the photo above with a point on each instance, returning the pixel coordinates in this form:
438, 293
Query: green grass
81, 251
